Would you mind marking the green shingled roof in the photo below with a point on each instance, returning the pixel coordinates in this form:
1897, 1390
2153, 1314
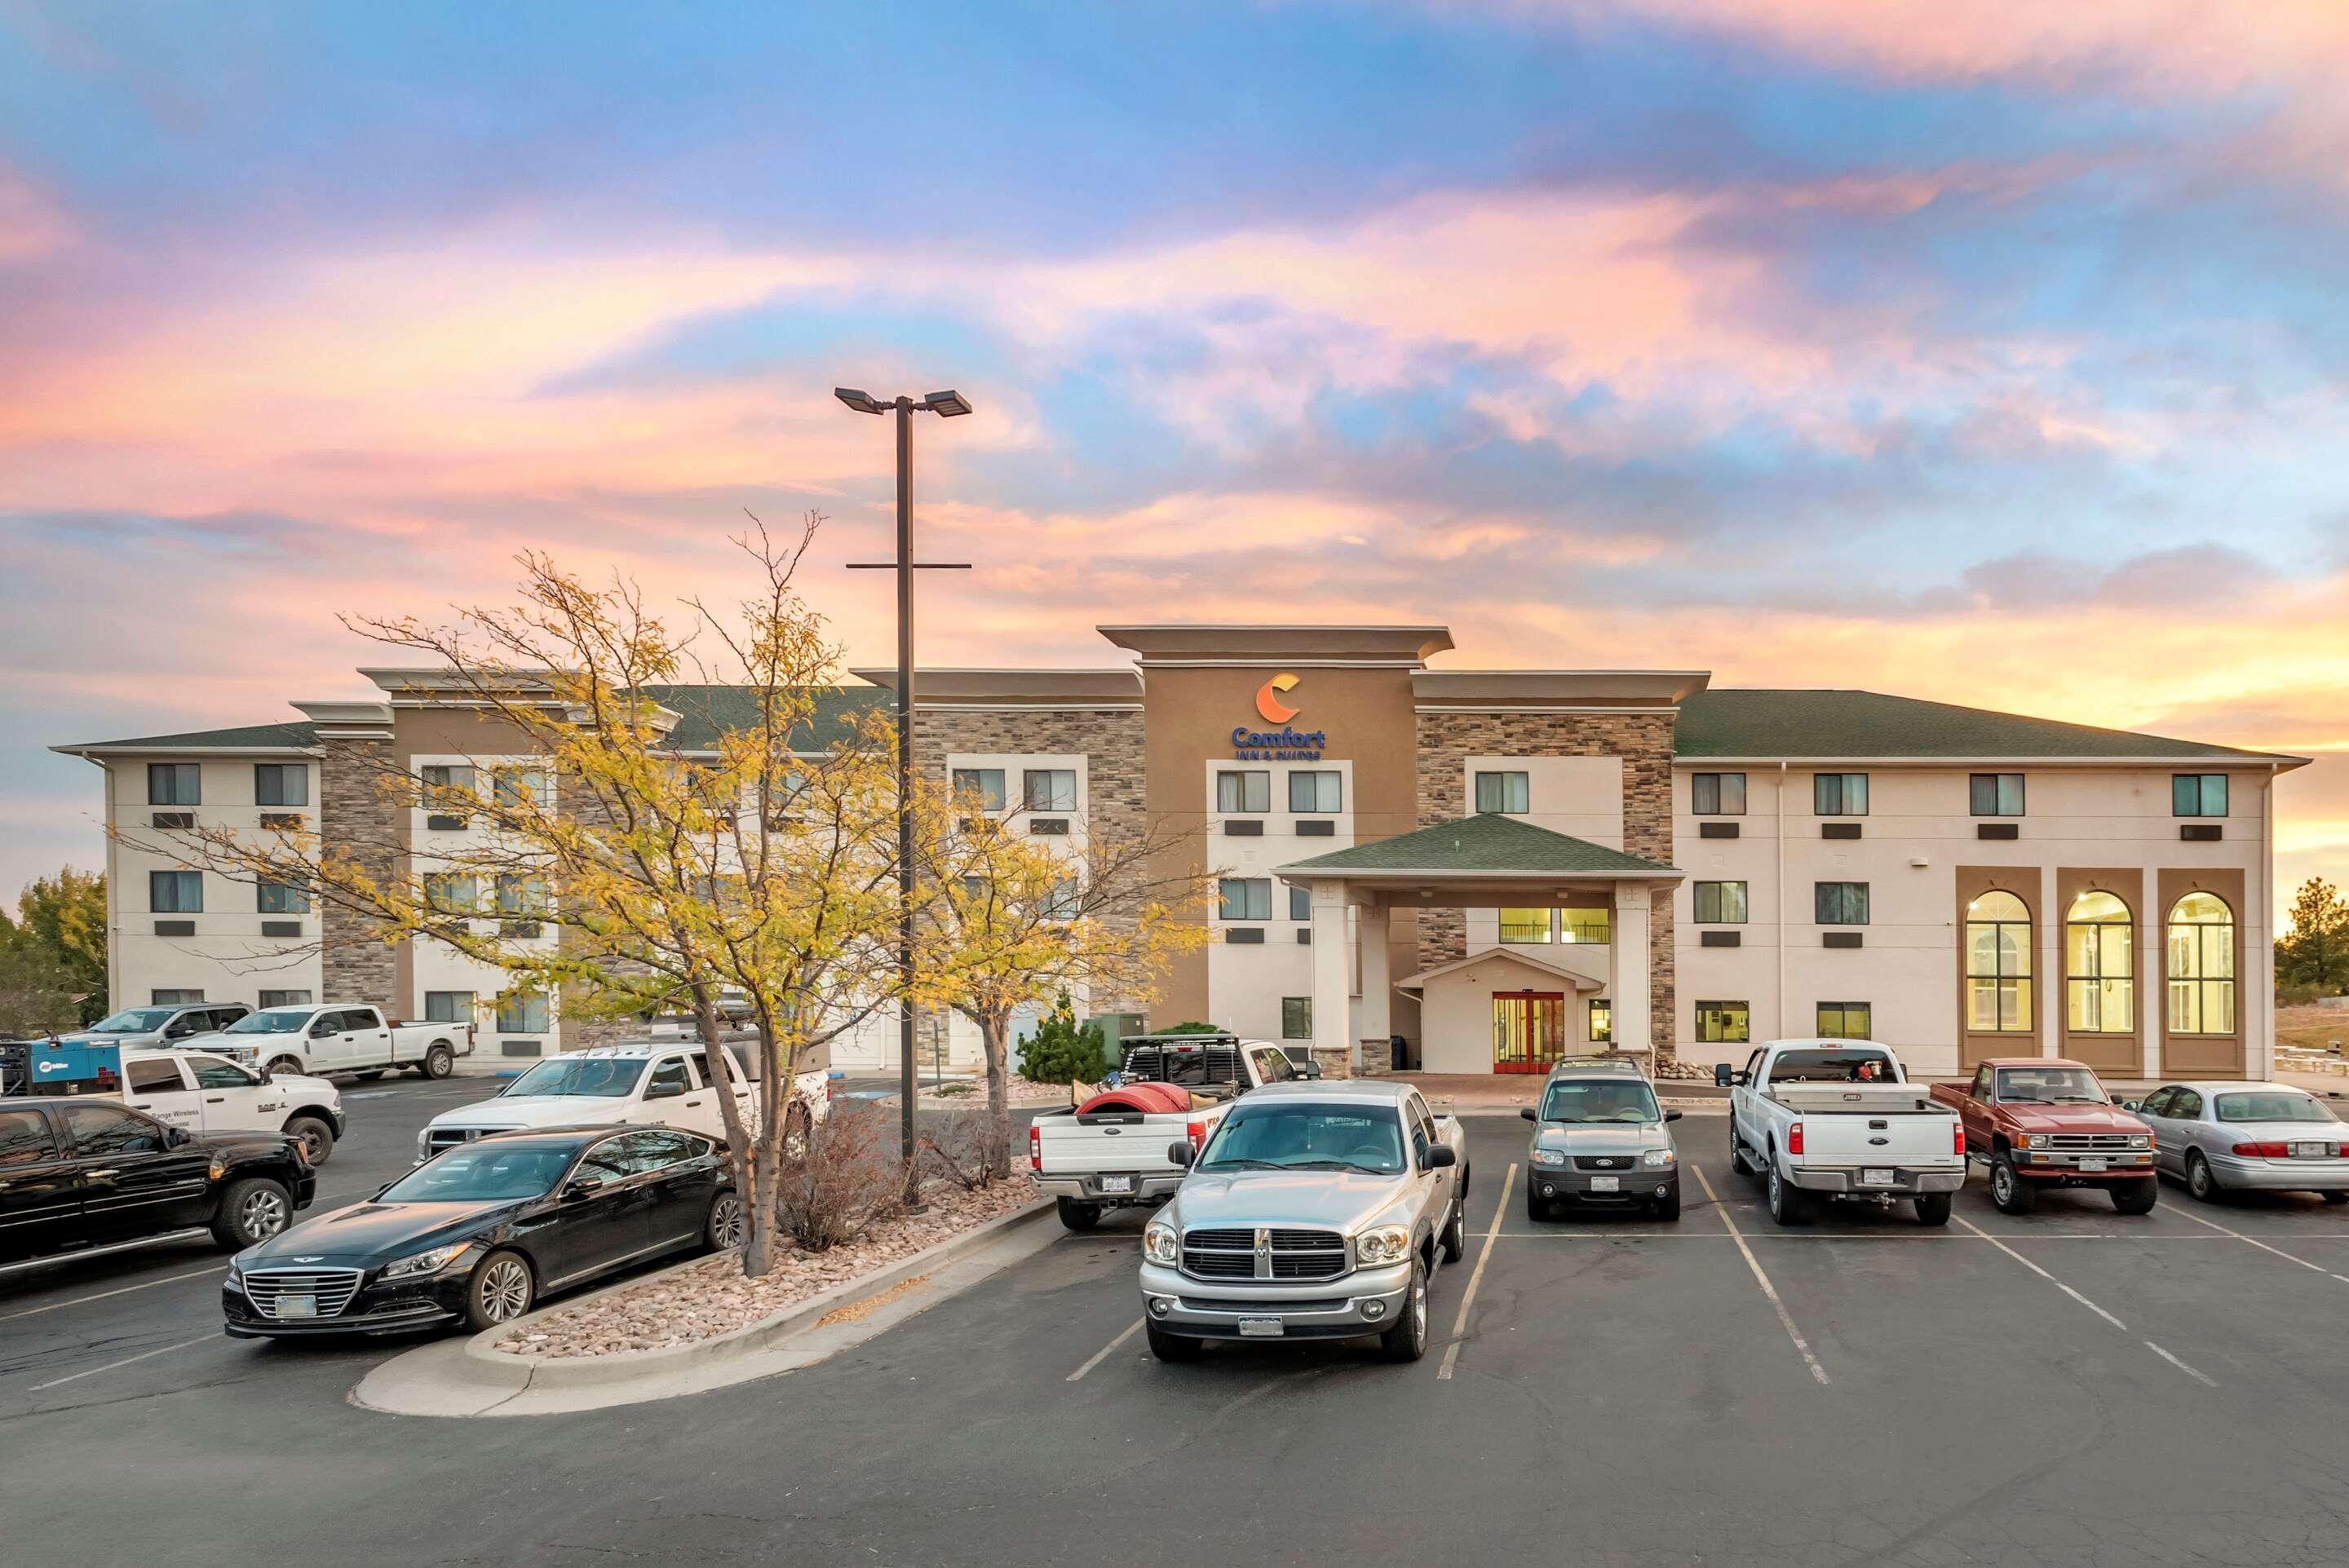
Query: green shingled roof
1729, 722
1486, 843
247, 737
706, 712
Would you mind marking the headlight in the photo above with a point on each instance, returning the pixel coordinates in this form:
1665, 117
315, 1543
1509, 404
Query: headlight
1549, 1156
2144, 1140
1159, 1245
1655, 1158
430, 1263
1386, 1245
2026, 1140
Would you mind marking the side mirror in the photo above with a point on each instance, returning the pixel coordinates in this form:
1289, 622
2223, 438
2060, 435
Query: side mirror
1528, 1112
581, 1187
379, 1193
1308, 1069
1721, 1076
664, 1091
1442, 1156
2132, 1105
322, 1028
175, 1136
1180, 1152
1672, 1116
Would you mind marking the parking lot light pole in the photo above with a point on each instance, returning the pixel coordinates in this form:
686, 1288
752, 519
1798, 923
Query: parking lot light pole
946, 405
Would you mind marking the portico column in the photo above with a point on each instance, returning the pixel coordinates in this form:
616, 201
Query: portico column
1371, 924
1333, 1026
1631, 953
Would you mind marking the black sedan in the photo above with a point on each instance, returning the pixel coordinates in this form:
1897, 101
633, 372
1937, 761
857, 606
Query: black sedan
481, 1233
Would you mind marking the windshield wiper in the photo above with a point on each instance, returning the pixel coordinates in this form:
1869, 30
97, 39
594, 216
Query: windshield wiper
1238, 1164
1335, 1165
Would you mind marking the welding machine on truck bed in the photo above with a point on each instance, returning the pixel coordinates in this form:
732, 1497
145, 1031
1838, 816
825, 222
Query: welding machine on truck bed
56, 1067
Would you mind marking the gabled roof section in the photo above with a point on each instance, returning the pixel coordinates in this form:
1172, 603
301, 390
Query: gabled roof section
295, 736
1775, 723
1584, 972
706, 712
1486, 845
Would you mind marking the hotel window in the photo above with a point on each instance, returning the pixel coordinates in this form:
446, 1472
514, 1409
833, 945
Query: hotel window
450, 893
2201, 965
1998, 966
1839, 794
1846, 1021
281, 784
1717, 794
1720, 903
1587, 925
1314, 791
1297, 1018
1300, 904
1723, 1023
282, 898
174, 784
448, 790
1524, 925
1244, 898
1244, 791
1995, 794
2197, 794
174, 998
448, 1006
1049, 790
2099, 965
521, 897
978, 788
1503, 792
518, 786
1840, 904
1065, 902
523, 1015
286, 998
175, 893
1602, 1022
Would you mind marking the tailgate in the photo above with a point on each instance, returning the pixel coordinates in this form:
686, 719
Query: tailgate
1070, 1148
1883, 1135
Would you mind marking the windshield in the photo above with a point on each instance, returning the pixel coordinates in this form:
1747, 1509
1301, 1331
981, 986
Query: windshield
481, 1172
2050, 1085
2273, 1105
610, 1078
1581, 1104
134, 1021
1830, 1066
1285, 1135
276, 1021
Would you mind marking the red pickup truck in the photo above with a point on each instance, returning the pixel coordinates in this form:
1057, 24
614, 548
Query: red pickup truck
2043, 1121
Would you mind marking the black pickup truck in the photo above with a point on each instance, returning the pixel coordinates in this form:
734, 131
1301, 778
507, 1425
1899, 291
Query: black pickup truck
79, 1173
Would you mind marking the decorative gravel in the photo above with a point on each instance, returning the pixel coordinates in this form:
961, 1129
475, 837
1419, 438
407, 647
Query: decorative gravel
710, 1297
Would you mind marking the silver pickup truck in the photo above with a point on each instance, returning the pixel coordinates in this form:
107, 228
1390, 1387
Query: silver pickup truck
1316, 1210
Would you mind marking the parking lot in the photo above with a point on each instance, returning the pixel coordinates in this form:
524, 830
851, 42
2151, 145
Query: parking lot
2071, 1387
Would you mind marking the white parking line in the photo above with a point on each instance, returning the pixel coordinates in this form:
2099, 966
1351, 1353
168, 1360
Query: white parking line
1105, 1353
2084, 1301
94, 1371
101, 1295
1786, 1318
1477, 1274
2279, 1252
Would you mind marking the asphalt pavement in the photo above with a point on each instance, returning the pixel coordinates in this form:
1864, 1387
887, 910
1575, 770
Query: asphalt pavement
2071, 1387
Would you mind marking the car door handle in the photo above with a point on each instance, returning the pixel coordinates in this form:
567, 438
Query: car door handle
692, 1102
95, 1175
217, 1100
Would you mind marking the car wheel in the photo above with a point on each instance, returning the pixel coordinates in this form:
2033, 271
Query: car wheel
1667, 1207
1933, 1208
2010, 1191
368, 1076
1788, 1204
252, 1210
499, 1291
284, 1065
2200, 1180
2334, 1197
1076, 1215
440, 1061
1407, 1340
1737, 1151
2136, 1197
1538, 1209
1173, 1346
1455, 1239
317, 1138
722, 1232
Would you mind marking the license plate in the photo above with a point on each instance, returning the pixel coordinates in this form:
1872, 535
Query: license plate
2089, 1163
1606, 1183
297, 1306
1117, 1183
1878, 1178
1261, 1329
2312, 1150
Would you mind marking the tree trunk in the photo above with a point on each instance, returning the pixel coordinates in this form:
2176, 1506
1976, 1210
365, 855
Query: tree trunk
750, 1183
991, 1030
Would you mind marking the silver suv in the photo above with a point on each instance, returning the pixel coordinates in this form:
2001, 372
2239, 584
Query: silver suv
1599, 1138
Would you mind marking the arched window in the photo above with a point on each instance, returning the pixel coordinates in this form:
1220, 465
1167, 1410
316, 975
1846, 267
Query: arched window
2201, 965
1998, 966
2100, 965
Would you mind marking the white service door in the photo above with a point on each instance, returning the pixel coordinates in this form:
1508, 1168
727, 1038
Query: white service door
159, 1086
235, 1100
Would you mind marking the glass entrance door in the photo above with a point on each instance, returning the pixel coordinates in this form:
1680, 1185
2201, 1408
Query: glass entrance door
1528, 1030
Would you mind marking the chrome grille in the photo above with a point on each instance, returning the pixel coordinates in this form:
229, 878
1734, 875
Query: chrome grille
332, 1289
441, 1138
1219, 1266
1211, 1304
2089, 1141
1231, 1253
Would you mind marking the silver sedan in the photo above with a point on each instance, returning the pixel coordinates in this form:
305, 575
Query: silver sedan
2268, 1137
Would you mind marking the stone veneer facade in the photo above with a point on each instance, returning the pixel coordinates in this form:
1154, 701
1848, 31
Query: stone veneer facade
1643, 741
361, 819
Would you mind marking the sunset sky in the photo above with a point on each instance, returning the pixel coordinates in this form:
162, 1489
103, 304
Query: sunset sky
1992, 352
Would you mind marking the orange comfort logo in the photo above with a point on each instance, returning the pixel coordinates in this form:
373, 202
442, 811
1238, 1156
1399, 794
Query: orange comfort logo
1268, 702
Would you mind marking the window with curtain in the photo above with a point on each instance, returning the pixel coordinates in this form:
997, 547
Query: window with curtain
1244, 898
1720, 903
286, 998
1315, 790
2099, 965
282, 898
450, 893
1297, 1018
523, 897
447, 789
2201, 965
1049, 790
1995, 794
978, 788
1839, 794
1723, 1023
2197, 794
174, 784
1503, 792
1300, 904
526, 1013
281, 784
1526, 925
519, 786
1846, 1021
1839, 903
1998, 965
1587, 925
1717, 794
175, 893
448, 1006
1246, 791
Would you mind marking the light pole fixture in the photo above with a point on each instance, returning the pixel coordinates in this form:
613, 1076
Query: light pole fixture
946, 405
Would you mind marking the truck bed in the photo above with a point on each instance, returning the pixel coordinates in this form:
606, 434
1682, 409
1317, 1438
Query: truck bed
1859, 1099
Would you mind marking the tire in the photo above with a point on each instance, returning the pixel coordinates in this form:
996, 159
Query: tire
2200, 1180
370, 1076
721, 1231
2334, 1197
2136, 1197
1539, 1210
1933, 1208
502, 1288
1667, 1207
2010, 1191
440, 1060
252, 1210
1454, 1239
1788, 1203
284, 1065
1173, 1346
1077, 1215
317, 1137
1407, 1340
1737, 1161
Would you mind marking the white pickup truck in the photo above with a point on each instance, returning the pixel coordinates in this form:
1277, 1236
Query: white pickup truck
1111, 1157
338, 1037
1837, 1119
201, 1092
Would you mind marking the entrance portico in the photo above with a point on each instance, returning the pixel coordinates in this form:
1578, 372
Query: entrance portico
1486, 861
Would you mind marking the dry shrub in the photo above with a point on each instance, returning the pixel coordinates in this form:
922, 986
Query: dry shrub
842, 1179
956, 1146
